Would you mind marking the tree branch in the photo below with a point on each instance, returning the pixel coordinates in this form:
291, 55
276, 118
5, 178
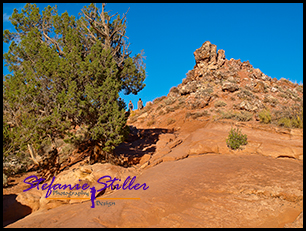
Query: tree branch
89, 32
106, 28
55, 43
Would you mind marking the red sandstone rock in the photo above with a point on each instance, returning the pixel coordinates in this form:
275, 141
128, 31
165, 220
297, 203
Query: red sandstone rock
194, 179
202, 191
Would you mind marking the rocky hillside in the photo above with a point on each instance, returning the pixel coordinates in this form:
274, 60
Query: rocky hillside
177, 146
227, 89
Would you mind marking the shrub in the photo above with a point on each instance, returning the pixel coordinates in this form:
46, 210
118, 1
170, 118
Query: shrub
272, 100
292, 94
220, 104
283, 95
132, 113
193, 104
159, 99
145, 109
243, 116
174, 90
236, 139
290, 117
227, 115
169, 100
240, 116
285, 80
295, 122
169, 109
161, 105
284, 122
265, 116
209, 90
195, 115
245, 94
170, 121
133, 119
178, 105
151, 122
299, 88
161, 112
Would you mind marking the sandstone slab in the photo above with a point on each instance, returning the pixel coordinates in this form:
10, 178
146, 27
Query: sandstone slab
206, 191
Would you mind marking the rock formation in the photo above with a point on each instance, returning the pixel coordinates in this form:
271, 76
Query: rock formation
206, 56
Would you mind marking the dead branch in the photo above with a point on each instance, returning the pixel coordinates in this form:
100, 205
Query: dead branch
62, 53
112, 39
32, 154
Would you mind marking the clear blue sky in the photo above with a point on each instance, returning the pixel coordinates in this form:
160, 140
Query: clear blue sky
270, 36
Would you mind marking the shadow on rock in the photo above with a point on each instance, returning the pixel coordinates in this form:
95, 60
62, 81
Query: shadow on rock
13, 210
139, 143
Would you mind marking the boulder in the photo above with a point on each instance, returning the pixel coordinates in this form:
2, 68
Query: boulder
274, 89
231, 87
257, 73
188, 88
245, 105
220, 57
207, 58
259, 87
174, 92
206, 53
145, 158
198, 102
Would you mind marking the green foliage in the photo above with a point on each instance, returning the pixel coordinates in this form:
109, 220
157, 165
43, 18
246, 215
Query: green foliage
289, 116
209, 90
245, 94
169, 109
244, 116
293, 121
133, 119
236, 139
299, 88
283, 95
265, 116
67, 72
195, 115
220, 104
239, 116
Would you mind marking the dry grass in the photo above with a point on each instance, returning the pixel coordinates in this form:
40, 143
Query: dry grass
170, 121
150, 123
195, 115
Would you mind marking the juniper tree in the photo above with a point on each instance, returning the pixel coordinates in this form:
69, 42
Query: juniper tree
67, 72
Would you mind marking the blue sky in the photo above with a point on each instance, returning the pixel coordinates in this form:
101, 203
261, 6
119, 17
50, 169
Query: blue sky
270, 36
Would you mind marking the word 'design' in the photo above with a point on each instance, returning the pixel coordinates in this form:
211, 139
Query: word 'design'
111, 183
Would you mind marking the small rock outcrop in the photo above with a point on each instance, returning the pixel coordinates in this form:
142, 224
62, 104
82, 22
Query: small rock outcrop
207, 56
207, 59
231, 87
